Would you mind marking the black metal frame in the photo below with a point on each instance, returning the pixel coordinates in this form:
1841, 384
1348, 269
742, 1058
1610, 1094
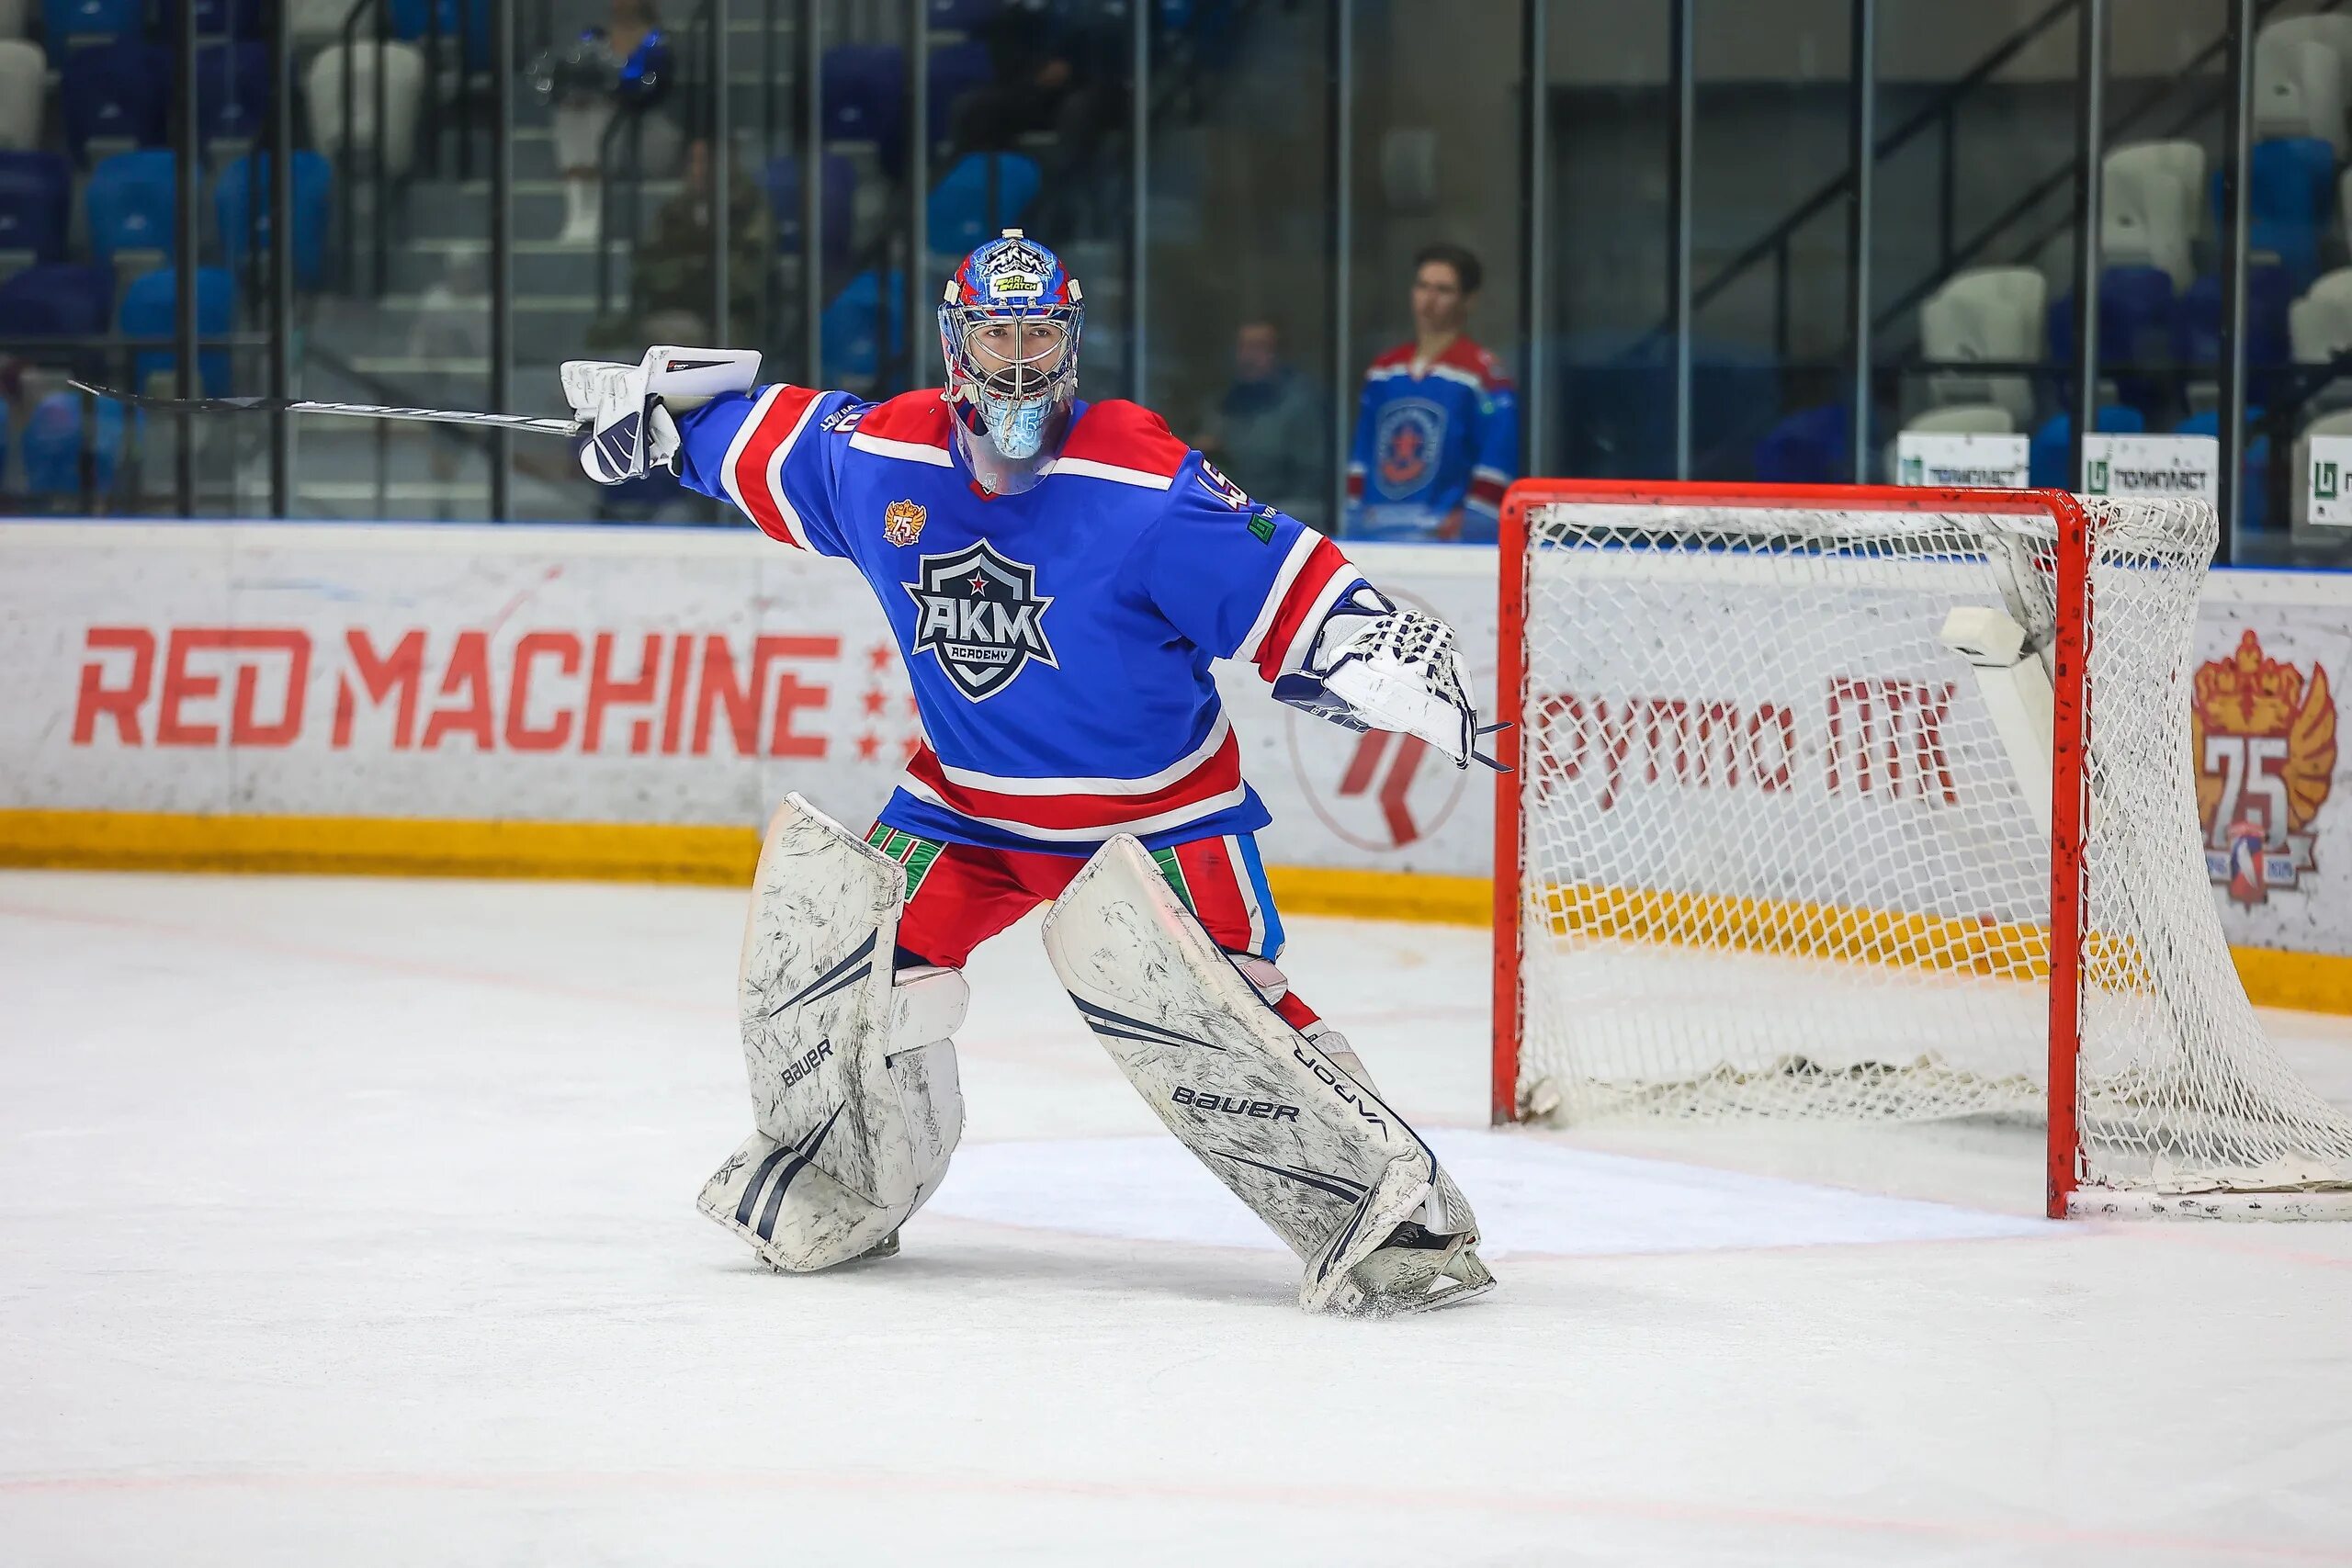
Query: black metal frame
1873, 314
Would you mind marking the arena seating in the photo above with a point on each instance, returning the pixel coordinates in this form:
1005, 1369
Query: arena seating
34, 192
865, 88
131, 201
781, 179
957, 213
69, 25
2046, 457
114, 99
232, 93
240, 205
215, 18
403, 68
1985, 314
2149, 206
853, 341
24, 74
147, 311
52, 443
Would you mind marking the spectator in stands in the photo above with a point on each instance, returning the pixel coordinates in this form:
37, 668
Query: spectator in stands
621, 66
670, 279
1437, 435
1267, 430
1057, 70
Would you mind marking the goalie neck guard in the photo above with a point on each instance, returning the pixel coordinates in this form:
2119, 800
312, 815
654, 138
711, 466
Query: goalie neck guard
1008, 328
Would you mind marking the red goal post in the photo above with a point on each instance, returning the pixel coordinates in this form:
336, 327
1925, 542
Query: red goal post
1886, 539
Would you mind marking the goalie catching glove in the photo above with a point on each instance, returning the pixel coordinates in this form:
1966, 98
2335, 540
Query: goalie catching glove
628, 408
1374, 666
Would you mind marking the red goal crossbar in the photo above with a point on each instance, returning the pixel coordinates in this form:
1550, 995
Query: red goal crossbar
2070, 772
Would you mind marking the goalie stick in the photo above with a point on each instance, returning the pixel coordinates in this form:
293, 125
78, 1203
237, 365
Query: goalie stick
531, 424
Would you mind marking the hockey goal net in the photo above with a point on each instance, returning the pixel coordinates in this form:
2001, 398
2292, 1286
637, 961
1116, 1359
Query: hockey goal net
1788, 837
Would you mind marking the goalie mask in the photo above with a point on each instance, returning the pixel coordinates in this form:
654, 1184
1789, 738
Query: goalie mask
1009, 329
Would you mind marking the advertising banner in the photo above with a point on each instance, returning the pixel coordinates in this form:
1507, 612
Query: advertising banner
689, 678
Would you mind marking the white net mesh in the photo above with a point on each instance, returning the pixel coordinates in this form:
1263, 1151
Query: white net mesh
1779, 860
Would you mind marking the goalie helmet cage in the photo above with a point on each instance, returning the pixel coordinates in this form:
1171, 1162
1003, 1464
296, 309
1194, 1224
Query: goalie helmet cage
1774, 845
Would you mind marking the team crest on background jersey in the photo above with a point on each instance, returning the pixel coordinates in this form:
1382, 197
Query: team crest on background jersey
981, 617
903, 522
2263, 737
1405, 444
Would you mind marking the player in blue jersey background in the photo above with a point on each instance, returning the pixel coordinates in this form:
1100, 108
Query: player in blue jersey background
1437, 429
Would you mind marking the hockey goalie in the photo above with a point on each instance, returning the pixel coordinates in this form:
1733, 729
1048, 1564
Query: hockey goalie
1060, 576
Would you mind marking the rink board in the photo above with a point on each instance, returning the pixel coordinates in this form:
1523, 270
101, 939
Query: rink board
629, 702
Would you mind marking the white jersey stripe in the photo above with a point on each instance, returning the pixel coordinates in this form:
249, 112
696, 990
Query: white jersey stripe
1088, 468
1301, 549
1241, 880
1303, 641
972, 779
1175, 817
775, 475
906, 451
743, 434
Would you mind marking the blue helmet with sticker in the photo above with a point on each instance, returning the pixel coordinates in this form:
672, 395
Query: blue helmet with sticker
1008, 328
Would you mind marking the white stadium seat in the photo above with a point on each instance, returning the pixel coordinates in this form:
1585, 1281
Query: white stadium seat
2333, 31
24, 89
403, 90
2298, 91
1964, 419
1988, 312
2153, 197
13, 17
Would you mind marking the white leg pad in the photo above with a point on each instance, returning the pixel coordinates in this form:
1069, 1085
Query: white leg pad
1328, 1165
853, 1086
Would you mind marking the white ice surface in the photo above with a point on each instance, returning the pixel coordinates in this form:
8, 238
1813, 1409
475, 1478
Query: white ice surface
351, 1222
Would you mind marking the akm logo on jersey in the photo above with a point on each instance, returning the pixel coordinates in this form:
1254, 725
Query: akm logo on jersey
981, 617
1405, 444
2263, 739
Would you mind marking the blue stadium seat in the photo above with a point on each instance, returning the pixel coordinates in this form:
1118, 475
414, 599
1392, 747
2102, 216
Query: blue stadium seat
133, 202
2046, 457
466, 20
2136, 327
958, 15
74, 23
2289, 196
851, 326
959, 217
2254, 488
955, 70
864, 89
52, 444
116, 95
60, 300
33, 203
1811, 446
246, 181
781, 180
215, 18
232, 92
147, 312
2270, 293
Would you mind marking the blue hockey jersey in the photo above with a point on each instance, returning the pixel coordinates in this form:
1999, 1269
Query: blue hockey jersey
1059, 640
1431, 444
